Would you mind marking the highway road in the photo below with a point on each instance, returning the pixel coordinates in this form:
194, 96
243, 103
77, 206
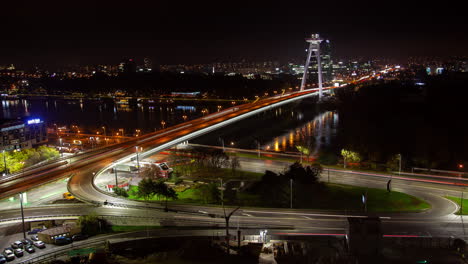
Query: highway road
439, 221
30, 179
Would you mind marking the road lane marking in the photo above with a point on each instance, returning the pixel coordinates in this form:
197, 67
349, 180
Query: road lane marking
319, 215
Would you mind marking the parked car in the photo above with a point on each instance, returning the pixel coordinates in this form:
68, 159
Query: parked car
39, 244
8, 253
60, 241
17, 244
79, 237
35, 231
2, 259
29, 248
34, 238
26, 242
18, 252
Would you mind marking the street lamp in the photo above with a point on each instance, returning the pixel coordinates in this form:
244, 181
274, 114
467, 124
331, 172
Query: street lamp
61, 147
291, 193
137, 157
105, 134
163, 124
258, 147
115, 172
4, 162
22, 214
184, 117
399, 167
222, 143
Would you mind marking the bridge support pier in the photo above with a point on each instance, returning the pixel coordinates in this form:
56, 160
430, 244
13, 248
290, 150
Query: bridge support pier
314, 47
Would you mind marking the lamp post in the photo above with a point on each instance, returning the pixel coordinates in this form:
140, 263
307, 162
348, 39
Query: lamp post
22, 214
115, 172
258, 148
138, 161
61, 147
222, 143
291, 193
163, 124
4, 162
105, 134
399, 167
184, 117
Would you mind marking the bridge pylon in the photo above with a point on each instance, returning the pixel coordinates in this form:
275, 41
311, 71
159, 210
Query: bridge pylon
314, 50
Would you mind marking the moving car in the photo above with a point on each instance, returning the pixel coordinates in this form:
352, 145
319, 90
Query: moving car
68, 196
39, 244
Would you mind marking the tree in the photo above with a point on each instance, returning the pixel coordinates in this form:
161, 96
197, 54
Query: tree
275, 189
48, 153
120, 191
328, 158
350, 156
234, 164
217, 159
151, 172
306, 144
89, 224
209, 193
146, 188
168, 193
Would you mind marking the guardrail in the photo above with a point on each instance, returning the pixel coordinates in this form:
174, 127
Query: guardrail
63, 251
39, 217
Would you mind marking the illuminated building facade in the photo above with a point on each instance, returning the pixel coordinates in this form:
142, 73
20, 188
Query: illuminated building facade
20, 134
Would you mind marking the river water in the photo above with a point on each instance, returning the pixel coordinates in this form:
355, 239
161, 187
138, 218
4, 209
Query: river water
280, 129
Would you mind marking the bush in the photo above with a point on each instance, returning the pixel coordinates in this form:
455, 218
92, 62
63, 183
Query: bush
328, 158
120, 192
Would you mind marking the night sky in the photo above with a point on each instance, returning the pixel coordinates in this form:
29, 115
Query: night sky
169, 32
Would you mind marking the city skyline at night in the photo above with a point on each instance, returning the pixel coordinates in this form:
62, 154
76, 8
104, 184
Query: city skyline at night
188, 33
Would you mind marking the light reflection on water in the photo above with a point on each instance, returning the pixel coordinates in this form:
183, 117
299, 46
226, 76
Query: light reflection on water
91, 115
320, 128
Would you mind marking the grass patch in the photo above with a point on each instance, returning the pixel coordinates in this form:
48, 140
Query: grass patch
214, 174
347, 197
263, 156
333, 197
463, 208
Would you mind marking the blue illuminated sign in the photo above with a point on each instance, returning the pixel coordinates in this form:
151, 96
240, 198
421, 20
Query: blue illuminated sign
34, 121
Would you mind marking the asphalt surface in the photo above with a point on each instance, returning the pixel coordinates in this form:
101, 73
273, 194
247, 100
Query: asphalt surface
437, 221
